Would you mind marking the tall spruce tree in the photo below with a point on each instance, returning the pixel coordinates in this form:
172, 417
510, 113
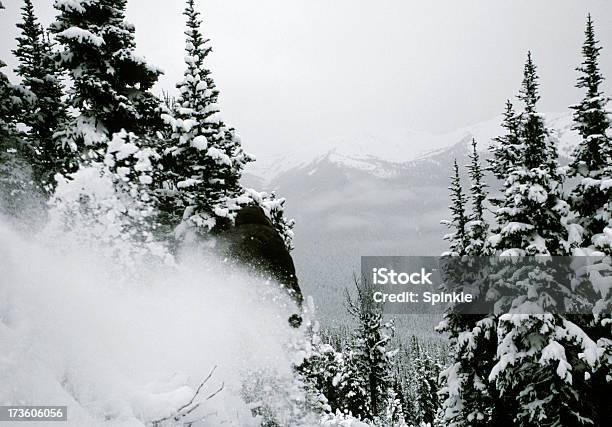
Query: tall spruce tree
533, 215
468, 398
17, 194
506, 148
458, 238
41, 76
204, 159
593, 156
477, 227
517, 369
539, 371
426, 373
370, 361
592, 200
10, 104
110, 83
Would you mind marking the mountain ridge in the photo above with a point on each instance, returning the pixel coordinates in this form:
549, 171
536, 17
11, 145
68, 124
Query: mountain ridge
383, 157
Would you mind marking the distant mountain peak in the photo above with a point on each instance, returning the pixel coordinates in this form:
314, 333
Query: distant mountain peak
382, 155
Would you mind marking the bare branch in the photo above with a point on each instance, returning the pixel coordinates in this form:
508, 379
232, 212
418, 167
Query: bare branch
190, 406
198, 389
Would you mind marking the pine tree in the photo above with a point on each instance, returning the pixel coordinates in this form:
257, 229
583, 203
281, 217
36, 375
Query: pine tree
465, 390
16, 191
506, 148
533, 217
426, 378
538, 370
205, 160
476, 228
41, 76
10, 104
323, 369
518, 369
109, 82
458, 239
590, 199
14, 173
370, 362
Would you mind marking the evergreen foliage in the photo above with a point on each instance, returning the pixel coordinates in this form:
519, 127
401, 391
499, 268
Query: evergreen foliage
370, 360
110, 82
533, 217
506, 148
476, 227
593, 156
518, 369
204, 158
458, 239
10, 104
46, 112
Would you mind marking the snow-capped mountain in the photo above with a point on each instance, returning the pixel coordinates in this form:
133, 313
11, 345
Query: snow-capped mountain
383, 154
369, 196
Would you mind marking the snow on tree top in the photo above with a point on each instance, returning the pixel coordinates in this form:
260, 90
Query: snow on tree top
199, 142
82, 36
73, 5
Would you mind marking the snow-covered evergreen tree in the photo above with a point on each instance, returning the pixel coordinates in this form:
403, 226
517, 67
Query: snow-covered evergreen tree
13, 99
458, 239
110, 82
17, 194
10, 104
592, 200
465, 391
539, 368
204, 160
322, 367
371, 361
356, 381
476, 227
16, 189
110, 202
467, 396
275, 207
517, 368
593, 156
41, 76
506, 148
533, 217
426, 379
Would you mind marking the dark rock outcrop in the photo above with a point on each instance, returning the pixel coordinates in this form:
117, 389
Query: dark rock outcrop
254, 243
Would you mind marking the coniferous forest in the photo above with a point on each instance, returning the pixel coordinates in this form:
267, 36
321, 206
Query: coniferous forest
143, 283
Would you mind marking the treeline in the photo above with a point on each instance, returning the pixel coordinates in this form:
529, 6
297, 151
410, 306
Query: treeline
515, 369
84, 100
367, 373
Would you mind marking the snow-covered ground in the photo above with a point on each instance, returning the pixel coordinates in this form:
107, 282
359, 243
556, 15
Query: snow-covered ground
124, 342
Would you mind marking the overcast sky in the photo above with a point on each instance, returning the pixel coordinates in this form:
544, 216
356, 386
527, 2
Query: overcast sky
295, 72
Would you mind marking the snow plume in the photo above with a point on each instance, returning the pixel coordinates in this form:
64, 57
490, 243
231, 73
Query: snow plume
124, 339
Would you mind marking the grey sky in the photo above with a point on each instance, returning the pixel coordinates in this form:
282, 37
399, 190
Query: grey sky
295, 72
